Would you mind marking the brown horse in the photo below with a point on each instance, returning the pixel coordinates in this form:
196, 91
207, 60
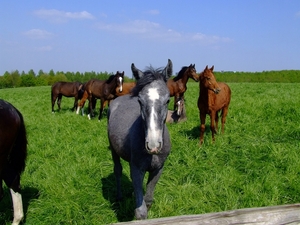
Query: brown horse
67, 89
126, 89
105, 90
177, 85
13, 152
213, 97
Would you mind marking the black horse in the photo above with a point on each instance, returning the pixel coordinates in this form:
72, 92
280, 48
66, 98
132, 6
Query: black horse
13, 152
138, 134
67, 89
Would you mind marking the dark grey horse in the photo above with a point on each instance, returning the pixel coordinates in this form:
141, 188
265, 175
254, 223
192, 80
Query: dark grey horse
138, 134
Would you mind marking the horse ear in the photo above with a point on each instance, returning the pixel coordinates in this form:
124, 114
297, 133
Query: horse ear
206, 68
136, 72
212, 68
168, 71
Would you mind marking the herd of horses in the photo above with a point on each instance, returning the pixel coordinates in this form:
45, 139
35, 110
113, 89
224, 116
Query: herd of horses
140, 137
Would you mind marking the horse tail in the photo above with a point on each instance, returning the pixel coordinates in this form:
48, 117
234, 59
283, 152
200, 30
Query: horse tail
18, 153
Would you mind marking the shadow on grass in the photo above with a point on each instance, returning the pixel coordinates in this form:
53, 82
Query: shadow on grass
124, 209
194, 133
6, 207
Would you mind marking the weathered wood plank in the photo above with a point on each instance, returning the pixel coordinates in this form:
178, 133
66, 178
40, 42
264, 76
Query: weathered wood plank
274, 215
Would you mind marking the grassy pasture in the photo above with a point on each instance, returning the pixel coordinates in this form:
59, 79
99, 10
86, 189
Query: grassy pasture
69, 174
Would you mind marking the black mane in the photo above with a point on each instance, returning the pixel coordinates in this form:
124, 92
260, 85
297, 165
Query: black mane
180, 73
111, 77
150, 75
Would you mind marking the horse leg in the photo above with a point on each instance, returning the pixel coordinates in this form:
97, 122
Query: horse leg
137, 177
202, 126
152, 181
217, 122
118, 173
75, 103
53, 103
12, 180
212, 125
82, 102
18, 206
90, 109
102, 102
223, 120
59, 101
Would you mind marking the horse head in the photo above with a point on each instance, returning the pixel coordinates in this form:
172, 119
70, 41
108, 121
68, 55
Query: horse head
208, 80
192, 72
153, 96
119, 79
180, 106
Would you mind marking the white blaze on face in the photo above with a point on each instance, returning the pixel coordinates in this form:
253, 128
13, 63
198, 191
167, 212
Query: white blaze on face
121, 82
153, 95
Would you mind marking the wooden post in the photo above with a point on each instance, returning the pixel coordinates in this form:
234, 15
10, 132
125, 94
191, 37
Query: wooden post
274, 215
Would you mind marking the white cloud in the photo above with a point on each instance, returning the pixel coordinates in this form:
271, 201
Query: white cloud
153, 12
54, 15
209, 39
151, 30
38, 34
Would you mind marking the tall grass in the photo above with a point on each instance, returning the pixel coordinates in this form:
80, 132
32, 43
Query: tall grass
69, 174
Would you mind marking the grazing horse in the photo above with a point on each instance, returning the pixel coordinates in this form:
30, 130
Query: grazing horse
177, 85
137, 133
179, 115
67, 89
213, 97
13, 152
104, 90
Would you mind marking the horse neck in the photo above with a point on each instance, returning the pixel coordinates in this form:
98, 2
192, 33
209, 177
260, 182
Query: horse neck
203, 93
185, 77
112, 86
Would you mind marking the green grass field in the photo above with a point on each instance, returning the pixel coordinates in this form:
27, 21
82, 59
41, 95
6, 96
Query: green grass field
69, 174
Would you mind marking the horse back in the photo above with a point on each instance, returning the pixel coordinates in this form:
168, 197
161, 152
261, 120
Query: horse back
67, 89
95, 87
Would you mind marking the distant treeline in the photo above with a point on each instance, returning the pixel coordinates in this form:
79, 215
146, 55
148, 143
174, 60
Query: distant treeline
283, 76
17, 79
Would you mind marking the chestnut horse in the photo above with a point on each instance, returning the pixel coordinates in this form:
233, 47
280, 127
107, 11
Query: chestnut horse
104, 90
213, 97
177, 85
67, 89
13, 152
126, 89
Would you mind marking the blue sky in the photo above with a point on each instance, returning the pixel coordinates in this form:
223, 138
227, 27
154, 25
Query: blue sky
109, 35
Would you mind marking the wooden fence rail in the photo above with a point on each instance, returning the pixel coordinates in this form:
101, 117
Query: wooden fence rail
274, 215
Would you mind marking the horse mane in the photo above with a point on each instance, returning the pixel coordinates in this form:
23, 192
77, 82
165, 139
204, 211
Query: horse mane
111, 77
150, 75
180, 73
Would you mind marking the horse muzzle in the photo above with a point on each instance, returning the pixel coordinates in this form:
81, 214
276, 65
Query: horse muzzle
153, 150
217, 90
